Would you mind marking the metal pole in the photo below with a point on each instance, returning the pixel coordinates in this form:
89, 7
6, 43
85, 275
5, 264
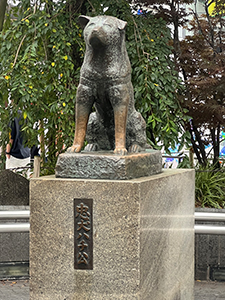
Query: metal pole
15, 214
16, 227
214, 217
206, 229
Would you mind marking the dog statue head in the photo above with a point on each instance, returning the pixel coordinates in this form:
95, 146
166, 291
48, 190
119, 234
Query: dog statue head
102, 31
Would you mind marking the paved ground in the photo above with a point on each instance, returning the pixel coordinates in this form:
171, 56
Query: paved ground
14, 290
209, 290
19, 290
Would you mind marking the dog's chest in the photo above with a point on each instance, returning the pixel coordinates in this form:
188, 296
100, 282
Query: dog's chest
103, 103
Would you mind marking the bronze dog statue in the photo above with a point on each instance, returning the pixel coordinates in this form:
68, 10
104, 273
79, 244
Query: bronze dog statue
105, 83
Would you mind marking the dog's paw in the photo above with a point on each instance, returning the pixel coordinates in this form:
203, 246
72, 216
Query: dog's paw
135, 148
91, 147
120, 151
74, 148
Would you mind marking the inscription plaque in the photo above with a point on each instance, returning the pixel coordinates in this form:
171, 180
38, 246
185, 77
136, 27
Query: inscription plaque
83, 234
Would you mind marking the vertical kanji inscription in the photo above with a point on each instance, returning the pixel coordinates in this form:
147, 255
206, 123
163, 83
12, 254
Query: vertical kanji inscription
83, 234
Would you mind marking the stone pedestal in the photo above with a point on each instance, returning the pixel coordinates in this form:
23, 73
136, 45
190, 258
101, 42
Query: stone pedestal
106, 165
143, 238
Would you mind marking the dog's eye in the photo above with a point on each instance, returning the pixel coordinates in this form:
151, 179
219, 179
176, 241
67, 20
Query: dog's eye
91, 24
108, 25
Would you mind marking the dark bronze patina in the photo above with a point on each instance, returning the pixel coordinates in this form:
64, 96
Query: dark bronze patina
105, 82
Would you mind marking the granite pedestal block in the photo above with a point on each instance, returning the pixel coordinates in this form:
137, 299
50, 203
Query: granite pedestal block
143, 238
106, 165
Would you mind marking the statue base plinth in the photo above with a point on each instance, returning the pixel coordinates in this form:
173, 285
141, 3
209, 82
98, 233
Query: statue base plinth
106, 165
141, 242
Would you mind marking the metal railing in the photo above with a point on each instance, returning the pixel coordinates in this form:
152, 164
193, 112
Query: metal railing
199, 216
213, 217
14, 214
208, 228
14, 227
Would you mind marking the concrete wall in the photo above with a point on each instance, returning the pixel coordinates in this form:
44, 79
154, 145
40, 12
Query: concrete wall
14, 189
14, 247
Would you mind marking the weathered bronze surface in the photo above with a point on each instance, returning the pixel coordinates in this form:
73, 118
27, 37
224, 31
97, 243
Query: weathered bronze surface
106, 165
83, 234
105, 82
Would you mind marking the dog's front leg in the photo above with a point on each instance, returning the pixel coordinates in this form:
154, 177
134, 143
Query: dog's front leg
120, 116
119, 97
84, 103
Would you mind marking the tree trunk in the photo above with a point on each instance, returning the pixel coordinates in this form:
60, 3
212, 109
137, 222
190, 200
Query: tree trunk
2, 12
198, 145
216, 146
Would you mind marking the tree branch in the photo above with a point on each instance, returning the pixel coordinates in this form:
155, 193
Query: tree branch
200, 28
18, 50
210, 24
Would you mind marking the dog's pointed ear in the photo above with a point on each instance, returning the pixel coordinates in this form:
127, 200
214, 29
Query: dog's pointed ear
83, 20
121, 24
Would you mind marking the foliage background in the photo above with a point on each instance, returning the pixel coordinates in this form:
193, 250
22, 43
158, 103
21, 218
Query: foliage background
203, 62
41, 51
200, 59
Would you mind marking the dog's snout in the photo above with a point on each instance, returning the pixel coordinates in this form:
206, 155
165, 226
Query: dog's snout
96, 29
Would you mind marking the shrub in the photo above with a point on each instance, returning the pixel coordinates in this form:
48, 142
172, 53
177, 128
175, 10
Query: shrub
210, 187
